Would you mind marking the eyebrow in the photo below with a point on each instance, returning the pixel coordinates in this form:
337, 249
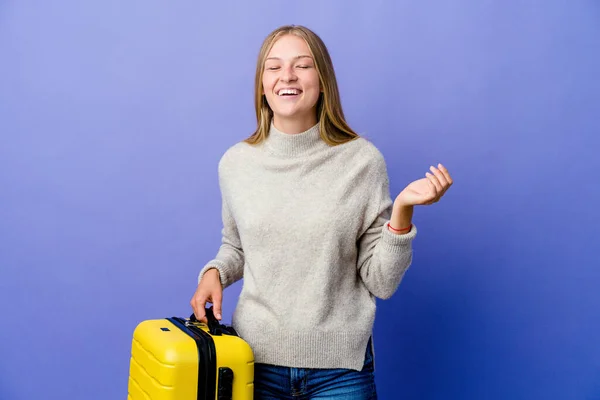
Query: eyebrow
295, 58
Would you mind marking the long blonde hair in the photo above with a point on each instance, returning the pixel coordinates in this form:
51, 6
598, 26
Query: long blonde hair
333, 127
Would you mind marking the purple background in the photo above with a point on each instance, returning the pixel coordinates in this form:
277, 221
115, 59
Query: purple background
114, 114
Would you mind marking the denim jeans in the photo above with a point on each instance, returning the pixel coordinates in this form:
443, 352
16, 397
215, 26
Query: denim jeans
273, 382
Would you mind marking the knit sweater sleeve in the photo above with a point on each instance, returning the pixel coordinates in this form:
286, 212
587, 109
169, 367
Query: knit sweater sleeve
229, 260
383, 256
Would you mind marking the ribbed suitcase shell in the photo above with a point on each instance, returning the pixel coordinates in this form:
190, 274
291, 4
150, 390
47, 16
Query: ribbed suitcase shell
165, 361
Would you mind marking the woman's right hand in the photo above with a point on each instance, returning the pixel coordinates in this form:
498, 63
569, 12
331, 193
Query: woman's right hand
209, 290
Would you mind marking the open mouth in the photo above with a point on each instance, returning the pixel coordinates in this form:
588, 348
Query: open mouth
289, 92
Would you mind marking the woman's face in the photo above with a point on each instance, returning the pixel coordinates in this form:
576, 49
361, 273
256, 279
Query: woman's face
291, 82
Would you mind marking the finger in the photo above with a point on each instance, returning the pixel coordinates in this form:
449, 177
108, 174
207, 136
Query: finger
435, 181
193, 304
432, 193
217, 301
444, 171
438, 174
442, 178
200, 310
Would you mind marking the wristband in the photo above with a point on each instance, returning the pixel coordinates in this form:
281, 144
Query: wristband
399, 230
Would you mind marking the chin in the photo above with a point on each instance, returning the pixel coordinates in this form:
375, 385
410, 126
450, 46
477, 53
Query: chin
288, 114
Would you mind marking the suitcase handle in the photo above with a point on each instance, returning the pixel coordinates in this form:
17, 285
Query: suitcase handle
214, 327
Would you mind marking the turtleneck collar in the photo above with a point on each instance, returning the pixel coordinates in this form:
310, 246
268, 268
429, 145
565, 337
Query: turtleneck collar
294, 144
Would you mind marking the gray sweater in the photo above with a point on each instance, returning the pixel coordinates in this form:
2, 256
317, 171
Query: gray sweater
304, 224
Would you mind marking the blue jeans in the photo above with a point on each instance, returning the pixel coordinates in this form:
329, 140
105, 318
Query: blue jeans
273, 382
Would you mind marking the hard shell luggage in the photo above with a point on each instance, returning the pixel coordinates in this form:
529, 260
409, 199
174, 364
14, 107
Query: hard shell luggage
184, 359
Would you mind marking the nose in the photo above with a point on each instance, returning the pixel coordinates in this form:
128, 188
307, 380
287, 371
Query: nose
288, 75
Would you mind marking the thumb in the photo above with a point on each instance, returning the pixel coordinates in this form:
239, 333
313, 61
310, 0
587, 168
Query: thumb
217, 301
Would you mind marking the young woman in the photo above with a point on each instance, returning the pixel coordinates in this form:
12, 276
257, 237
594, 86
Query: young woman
309, 224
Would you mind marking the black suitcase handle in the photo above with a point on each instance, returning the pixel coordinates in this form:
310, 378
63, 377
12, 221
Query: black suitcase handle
214, 327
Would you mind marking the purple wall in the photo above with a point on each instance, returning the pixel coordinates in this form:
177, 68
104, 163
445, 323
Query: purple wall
113, 117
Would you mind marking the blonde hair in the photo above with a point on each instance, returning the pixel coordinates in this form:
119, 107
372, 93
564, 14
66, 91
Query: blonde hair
334, 129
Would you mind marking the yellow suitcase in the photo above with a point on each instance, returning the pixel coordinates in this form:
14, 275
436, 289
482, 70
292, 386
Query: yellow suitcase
183, 359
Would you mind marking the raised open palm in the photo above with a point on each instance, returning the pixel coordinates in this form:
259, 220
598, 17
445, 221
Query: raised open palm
426, 190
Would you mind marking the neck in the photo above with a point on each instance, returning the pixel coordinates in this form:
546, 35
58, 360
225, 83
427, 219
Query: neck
294, 125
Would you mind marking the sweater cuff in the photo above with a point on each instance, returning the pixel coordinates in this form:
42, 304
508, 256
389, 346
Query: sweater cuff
395, 243
219, 266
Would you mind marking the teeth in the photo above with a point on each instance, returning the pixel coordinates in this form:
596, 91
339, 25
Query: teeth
288, 91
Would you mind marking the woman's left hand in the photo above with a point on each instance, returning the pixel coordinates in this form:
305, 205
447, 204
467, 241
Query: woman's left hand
427, 190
